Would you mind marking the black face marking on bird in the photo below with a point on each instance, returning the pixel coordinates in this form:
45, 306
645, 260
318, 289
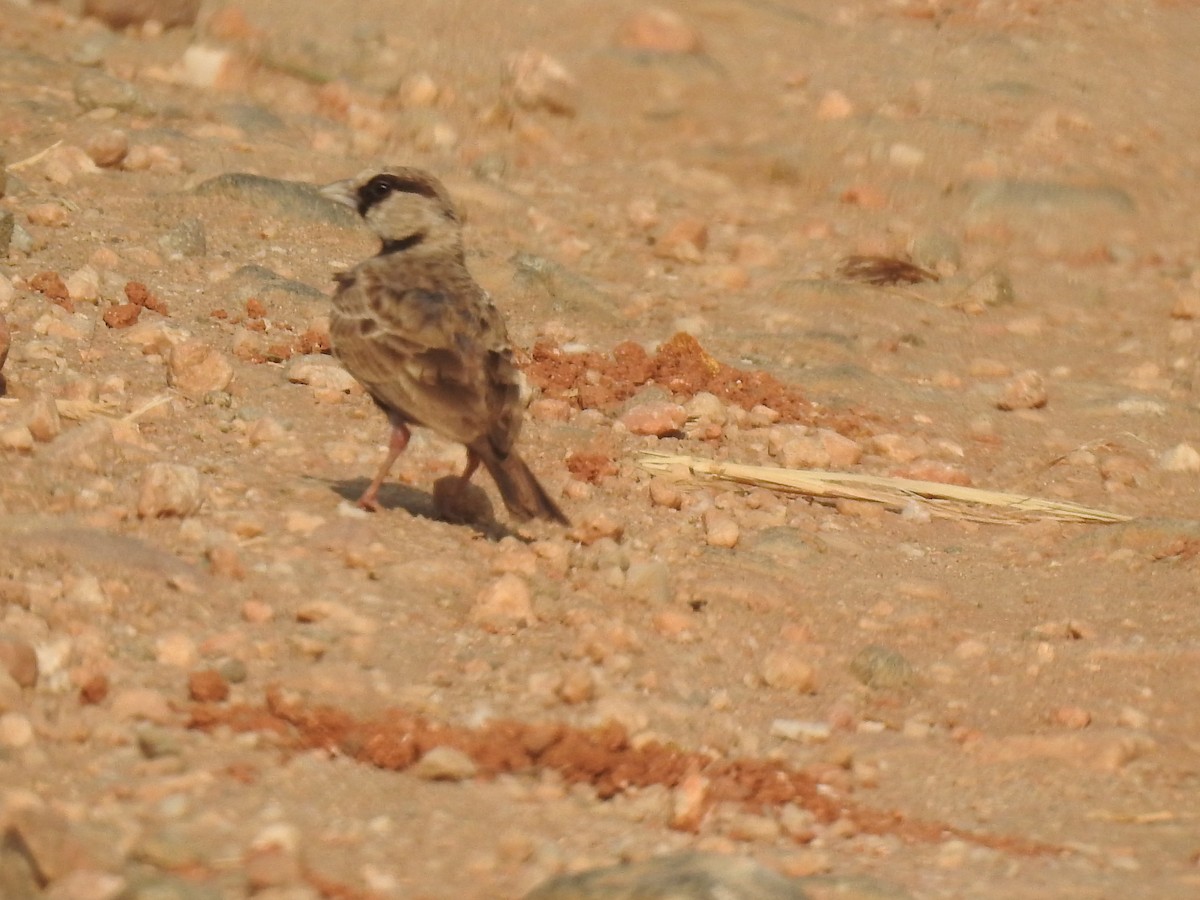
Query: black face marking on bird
382, 186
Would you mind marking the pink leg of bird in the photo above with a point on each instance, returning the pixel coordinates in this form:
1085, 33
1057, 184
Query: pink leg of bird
370, 497
472, 465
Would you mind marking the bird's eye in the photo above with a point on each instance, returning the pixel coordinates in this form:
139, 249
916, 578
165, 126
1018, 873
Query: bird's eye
379, 188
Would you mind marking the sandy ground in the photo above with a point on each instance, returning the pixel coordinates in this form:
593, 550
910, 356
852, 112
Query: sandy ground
222, 676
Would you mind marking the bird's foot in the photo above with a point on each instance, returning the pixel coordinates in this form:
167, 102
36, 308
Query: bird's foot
369, 502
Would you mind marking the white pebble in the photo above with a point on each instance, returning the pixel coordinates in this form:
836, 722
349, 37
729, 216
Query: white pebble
445, 764
321, 373
1180, 458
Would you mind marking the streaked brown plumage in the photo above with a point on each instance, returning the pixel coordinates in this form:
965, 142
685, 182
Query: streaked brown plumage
414, 328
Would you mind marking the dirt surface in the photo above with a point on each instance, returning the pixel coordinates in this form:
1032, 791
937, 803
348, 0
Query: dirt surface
223, 679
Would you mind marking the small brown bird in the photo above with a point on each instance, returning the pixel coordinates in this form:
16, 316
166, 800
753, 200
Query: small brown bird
414, 328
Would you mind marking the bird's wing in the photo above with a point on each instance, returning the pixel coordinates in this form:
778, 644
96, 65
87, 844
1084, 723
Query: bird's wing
436, 353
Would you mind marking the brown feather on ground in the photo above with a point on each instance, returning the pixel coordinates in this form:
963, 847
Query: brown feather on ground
883, 270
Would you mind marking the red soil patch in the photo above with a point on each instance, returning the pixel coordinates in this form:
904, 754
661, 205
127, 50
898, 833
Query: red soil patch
602, 757
594, 380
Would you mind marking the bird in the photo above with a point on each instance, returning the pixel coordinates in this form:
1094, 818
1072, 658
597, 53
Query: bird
425, 341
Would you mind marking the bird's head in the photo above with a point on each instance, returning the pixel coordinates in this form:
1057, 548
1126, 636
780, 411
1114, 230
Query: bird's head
406, 207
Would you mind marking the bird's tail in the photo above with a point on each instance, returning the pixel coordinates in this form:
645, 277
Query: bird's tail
523, 494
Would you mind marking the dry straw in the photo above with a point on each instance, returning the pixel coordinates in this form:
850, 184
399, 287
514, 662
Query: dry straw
947, 501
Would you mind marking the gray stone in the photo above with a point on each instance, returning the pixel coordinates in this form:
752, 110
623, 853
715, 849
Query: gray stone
6, 226
288, 198
232, 669
684, 876
881, 667
649, 582
156, 743
937, 251
91, 50
22, 240
1047, 196
21, 534
187, 238
94, 90
569, 294
251, 118
270, 287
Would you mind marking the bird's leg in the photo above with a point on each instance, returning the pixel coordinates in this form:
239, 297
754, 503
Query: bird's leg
370, 497
472, 465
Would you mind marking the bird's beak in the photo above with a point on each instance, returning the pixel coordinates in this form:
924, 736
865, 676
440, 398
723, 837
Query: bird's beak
341, 192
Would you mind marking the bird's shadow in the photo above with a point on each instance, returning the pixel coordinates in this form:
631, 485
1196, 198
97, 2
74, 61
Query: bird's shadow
416, 503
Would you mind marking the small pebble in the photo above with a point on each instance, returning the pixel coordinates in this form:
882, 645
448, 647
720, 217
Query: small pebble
19, 659
1180, 458
1026, 390
257, 612
208, 67
196, 368
207, 686
83, 285
169, 489
418, 90
94, 689
42, 419
882, 668
594, 524
834, 105
108, 147
899, 448
684, 241
786, 669
657, 30
95, 89
654, 418
16, 437
175, 649
539, 81
51, 215
505, 605
801, 731
1187, 305
1074, 717
690, 803
665, 493
649, 582
444, 764
720, 529
321, 373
